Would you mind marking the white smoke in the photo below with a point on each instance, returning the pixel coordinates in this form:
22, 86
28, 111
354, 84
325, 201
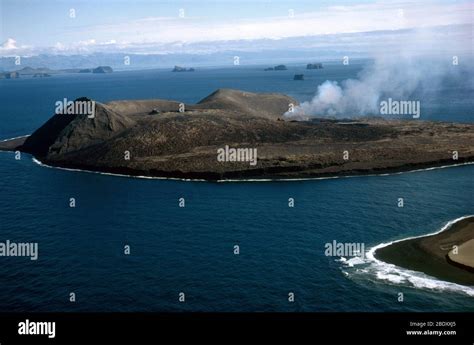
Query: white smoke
397, 78
405, 73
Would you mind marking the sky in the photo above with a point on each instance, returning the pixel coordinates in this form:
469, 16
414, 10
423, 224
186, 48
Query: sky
29, 27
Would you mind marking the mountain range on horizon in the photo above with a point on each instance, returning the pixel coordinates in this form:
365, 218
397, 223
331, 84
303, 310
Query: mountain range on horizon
248, 52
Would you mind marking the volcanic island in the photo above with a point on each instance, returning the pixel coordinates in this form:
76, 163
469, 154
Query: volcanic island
162, 138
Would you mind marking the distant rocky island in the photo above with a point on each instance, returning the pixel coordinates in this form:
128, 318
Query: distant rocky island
9, 75
298, 77
102, 69
42, 72
182, 69
317, 65
171, 139
41, 75
276, 68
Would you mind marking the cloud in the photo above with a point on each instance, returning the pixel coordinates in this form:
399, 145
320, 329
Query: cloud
11, 48
209, 34
9, 44
389, 15
89, 42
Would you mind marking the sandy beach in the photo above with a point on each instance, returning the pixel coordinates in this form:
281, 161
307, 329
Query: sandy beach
447, 255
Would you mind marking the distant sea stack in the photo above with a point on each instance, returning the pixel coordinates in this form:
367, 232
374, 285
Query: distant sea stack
102, 69
172, 139
42, 72
298, 77
32, 71
276, 68
9, 75
182, 69
41, 75
317, 65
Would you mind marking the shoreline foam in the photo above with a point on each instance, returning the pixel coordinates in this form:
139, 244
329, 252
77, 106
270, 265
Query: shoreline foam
14, 138
397, 275
37, 161
428, 254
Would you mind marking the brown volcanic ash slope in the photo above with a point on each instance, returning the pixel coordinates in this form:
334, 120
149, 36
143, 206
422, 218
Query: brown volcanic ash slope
175, 144
63, 134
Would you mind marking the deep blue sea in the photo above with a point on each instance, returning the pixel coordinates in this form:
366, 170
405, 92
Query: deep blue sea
191, 249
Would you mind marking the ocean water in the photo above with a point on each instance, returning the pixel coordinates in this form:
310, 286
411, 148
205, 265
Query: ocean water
190, 249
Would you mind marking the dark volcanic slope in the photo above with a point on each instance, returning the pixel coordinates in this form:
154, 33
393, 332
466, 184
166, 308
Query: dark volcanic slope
184, 144
268, 105
63, 134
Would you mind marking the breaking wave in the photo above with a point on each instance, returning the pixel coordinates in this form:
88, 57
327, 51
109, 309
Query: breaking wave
371, 267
